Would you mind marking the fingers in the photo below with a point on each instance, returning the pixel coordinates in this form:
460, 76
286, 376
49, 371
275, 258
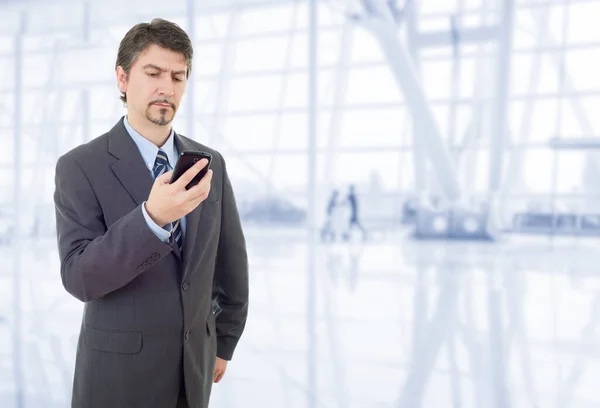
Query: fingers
186, 177
218, 376
219, 371
164, 178
200, 191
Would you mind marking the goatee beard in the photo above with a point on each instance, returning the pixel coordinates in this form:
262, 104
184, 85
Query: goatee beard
162, 120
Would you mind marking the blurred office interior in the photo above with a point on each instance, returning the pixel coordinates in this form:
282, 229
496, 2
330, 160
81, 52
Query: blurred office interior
419, 183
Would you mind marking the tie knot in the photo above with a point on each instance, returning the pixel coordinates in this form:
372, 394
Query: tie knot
161, 164
161, 158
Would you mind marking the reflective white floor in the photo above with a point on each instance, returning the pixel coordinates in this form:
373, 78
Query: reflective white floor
391, 323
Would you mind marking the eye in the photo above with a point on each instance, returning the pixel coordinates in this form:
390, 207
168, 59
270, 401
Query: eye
178, 79
153, 74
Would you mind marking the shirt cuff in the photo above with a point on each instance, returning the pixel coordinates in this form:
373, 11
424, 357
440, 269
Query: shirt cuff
161, 233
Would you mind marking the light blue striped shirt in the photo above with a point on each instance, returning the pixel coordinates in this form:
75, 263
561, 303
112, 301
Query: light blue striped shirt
149, 151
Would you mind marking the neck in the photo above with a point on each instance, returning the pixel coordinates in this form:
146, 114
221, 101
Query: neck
154, 133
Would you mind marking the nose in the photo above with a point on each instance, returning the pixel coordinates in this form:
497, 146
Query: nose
167, 87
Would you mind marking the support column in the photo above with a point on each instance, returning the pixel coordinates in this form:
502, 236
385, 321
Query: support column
191, 86
311, 284
17, 227
381, 23
499, 129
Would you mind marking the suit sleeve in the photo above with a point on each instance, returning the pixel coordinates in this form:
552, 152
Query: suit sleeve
231, 275
161, 233
96, 260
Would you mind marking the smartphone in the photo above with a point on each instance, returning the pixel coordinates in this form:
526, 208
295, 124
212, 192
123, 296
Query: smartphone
186, 160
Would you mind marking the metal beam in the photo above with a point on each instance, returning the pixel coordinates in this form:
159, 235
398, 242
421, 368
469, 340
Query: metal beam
283, 91
436, 39
590, 45
137, 10
499, 129
381, 24
86, 99
420, 159
513, 178
16, 230
339, 96
191, 88
580, 143
311, 281
221, 105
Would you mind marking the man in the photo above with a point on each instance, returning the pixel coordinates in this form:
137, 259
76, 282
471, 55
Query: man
148, 257
330, 228
353, 221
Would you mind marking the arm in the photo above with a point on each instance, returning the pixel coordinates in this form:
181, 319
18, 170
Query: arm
161, 233
231, 275
95, 260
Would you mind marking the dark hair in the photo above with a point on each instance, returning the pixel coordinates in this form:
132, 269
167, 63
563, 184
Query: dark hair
160, 32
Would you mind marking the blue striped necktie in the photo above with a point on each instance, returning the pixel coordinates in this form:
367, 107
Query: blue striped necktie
161, 166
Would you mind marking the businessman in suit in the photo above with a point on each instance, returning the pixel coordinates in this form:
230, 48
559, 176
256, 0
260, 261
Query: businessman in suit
162, 270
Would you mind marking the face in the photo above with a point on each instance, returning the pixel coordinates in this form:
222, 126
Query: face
155, 85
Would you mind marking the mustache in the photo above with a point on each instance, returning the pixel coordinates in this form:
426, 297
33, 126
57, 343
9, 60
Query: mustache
163, 101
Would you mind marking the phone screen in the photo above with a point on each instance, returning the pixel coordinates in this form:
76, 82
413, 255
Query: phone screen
186, 160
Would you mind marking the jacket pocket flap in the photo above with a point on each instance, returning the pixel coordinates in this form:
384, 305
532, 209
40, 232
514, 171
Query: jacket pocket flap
113, 341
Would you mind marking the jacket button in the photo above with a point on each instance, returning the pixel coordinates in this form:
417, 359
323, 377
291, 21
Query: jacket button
187, 334
155, 256
185, 286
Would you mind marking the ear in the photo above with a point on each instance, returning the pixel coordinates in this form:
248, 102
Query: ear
121, 79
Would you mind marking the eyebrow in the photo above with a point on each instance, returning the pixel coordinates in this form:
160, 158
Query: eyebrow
182, 72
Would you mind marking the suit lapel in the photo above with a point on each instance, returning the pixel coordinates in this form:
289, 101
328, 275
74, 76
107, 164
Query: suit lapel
133, 174
130, 168
192, 220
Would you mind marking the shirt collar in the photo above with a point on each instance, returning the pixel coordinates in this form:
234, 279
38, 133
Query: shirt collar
149, 150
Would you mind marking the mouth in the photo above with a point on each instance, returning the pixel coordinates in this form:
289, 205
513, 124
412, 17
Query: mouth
163, 105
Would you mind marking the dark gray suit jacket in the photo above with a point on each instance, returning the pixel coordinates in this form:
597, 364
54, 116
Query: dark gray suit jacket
147, 315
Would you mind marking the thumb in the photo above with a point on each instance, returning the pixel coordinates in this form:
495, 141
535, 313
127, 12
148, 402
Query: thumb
165, 178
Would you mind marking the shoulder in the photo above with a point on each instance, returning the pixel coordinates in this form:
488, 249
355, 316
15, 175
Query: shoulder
217, 157
199, 146
87, 154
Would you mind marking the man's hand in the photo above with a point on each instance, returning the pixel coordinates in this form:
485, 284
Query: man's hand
220, 367
169, 202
